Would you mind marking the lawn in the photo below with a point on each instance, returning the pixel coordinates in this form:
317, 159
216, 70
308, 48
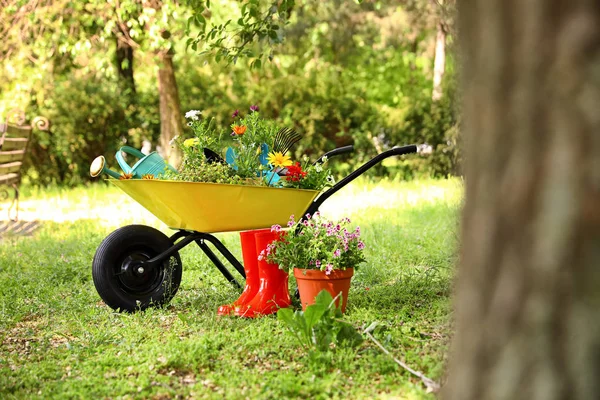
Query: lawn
58, 340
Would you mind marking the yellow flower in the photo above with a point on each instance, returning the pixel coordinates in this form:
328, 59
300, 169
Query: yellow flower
148, 176
124, 176
191, 142
279, 160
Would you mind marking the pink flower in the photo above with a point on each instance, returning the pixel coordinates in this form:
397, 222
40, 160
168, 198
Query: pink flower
261, 256
328, 269
361, 245
318, 263
307, 215
276, 228
337, 253
292, 221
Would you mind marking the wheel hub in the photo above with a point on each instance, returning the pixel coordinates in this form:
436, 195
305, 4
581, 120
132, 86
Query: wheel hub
136, 278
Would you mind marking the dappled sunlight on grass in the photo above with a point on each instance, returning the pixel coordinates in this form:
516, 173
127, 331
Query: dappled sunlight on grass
106, 204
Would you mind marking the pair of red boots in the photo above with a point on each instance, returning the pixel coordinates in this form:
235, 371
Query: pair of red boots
266, 288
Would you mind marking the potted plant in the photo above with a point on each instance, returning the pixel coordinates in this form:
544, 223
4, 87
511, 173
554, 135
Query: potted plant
322, 254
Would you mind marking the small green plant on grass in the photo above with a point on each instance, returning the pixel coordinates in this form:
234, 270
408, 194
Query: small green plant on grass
320, 326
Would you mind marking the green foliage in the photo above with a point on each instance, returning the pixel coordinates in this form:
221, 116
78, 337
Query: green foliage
320, 326
434, 123
206, 135
197, 169
88, 118
346, 73
256, 21
316, 243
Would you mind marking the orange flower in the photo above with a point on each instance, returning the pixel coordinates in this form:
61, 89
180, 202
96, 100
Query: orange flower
239, 129
148, 176
125, 176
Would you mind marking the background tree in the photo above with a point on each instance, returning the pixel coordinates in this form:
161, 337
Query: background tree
527, 296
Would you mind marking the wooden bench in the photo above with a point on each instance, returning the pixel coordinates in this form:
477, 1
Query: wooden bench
14, 139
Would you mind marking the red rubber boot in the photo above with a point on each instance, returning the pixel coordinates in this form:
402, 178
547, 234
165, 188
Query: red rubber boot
273, 292
249, 255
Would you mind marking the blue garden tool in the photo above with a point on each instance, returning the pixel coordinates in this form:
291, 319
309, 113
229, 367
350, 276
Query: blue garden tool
151, 164
271, 176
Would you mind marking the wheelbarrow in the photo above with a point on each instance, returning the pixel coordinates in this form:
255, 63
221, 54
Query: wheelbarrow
137, 266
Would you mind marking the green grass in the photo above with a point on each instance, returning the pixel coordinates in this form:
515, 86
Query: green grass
58, 340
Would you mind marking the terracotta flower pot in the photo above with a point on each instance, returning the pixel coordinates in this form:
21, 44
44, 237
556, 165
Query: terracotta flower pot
311, 282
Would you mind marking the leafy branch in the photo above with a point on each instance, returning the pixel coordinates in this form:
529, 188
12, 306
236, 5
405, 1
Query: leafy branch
231, 40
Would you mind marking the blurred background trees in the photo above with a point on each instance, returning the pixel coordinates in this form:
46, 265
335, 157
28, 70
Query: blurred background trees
116, 72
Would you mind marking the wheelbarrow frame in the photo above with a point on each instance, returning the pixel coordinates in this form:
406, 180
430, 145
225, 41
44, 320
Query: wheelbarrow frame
201, 238
184, 237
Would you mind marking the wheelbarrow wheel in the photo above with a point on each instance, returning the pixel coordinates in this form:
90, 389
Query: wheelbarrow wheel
120, 281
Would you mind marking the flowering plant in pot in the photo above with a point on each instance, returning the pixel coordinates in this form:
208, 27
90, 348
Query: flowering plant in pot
322, 254
255, 152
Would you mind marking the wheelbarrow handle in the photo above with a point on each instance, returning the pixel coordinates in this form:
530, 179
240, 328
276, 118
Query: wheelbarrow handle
335, 152
396, 151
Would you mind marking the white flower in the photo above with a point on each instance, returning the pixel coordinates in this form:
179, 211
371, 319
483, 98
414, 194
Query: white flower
318, 168
193, 114
324, 159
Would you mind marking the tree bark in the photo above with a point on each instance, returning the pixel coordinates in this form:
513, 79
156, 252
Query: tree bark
528, 287
439, 63
170, 109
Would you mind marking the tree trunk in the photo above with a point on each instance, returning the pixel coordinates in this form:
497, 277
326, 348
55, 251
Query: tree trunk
170, 110
439, 63
124, 61
528, 289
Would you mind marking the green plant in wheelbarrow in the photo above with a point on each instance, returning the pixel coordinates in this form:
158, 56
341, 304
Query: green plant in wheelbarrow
253, 153
322, 254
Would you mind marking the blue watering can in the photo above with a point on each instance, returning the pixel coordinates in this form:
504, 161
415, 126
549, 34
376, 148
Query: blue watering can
151, 164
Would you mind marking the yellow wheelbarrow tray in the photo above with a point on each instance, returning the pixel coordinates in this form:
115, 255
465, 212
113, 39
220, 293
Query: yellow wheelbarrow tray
137, 266
213, 207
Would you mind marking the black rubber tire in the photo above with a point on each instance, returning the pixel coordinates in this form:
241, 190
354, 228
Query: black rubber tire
125, 289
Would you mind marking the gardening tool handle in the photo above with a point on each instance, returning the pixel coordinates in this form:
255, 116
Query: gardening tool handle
129, 150
335, 152
396, 151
